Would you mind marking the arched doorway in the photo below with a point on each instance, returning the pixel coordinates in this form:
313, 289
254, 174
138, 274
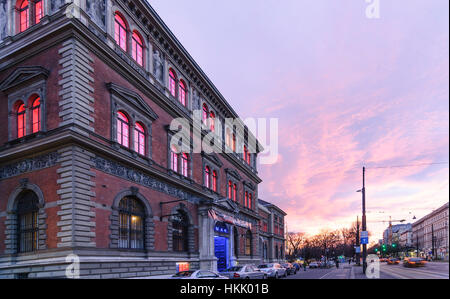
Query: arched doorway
221, 245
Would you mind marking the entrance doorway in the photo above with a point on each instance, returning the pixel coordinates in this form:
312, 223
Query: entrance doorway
221, 252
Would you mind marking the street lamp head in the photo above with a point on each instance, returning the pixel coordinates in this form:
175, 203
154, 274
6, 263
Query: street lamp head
359, 191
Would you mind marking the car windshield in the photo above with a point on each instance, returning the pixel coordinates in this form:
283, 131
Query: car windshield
286, 265
234, 269
416, 260
184, 274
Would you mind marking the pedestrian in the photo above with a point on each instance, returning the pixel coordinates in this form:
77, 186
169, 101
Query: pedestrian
304, 265
337, 263
349, 261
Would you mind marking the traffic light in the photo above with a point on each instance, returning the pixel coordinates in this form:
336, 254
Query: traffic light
394, 245
376, 249
383, 247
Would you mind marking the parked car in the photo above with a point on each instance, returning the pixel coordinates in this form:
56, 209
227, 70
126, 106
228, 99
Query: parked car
393, 261
314, 265
199, 274
290, 269
274, 270
331, 264
414, 262
244, 272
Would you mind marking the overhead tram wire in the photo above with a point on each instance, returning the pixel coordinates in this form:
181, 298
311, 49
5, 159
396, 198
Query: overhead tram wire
408, 165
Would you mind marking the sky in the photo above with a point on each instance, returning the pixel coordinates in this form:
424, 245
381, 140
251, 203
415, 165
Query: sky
349, 91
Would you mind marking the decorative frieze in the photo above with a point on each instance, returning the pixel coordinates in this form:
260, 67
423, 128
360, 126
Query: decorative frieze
140, 178
28, 165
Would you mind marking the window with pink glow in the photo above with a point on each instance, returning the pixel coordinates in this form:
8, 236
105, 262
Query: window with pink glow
214, 181
182, 93
235, 192
230, 190
21, 128
207, 177
137, 48
205, 114
249, 200
39, 11
172, 83
123, 129
234, 143
174, 156
246, 199
139, 139
212, 121
24, 10
228, 138
120, 32
185, 165
36, 114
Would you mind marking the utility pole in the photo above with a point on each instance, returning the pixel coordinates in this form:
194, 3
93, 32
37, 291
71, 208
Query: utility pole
417, 243
433, 248
364, 223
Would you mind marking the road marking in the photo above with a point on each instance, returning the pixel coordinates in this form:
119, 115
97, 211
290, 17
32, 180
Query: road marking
407, 273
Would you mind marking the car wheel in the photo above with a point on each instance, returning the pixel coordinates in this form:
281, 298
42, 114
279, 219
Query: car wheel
265, 277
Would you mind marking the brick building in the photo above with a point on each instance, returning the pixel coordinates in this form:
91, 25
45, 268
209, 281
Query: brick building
272, 232
88, 166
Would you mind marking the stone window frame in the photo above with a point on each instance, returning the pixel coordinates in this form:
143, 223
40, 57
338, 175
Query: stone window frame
214, 164
179, 76
138, 111
149, 225
11, 219
191, 230
180, 144
18, 89
247, 232
250, 188
31, 14
233, 176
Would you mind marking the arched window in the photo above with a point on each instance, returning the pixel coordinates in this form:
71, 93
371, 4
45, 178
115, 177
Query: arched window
172, 83
27, 222
24, 11
174, 156
214, 181
230, 189
185, 165
234, 143
137, 48
205, 114
21, 116
248, 243
36, 114
182, 93
123, 129
180, 226
131, 220
212, 121
228, 137
235, 192
207, 176
120, 31
245, 153
38, 10
139, 139
246, 199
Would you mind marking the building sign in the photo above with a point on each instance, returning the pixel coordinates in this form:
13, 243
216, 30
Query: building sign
182, 267
229, 219
221, 228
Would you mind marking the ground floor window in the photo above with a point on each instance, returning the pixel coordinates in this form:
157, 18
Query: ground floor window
131, 217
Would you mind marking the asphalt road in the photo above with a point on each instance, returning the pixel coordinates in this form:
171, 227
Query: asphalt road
430, 271
332, 273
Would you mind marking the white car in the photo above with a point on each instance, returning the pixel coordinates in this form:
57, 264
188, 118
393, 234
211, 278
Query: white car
199, 274
274, 270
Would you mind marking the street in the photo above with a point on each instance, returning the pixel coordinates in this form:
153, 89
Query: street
430, 271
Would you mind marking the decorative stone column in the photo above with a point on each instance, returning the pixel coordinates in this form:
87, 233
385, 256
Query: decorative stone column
208, 259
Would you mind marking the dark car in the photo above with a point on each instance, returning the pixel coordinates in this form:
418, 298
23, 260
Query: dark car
290, 269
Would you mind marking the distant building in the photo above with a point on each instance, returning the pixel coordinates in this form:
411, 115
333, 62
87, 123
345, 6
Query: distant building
397, 230
406, 239
432, 227
272, 234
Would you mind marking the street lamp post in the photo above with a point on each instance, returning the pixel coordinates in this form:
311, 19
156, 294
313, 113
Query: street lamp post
364, 222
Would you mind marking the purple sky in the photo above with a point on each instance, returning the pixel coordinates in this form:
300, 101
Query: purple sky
348, 91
